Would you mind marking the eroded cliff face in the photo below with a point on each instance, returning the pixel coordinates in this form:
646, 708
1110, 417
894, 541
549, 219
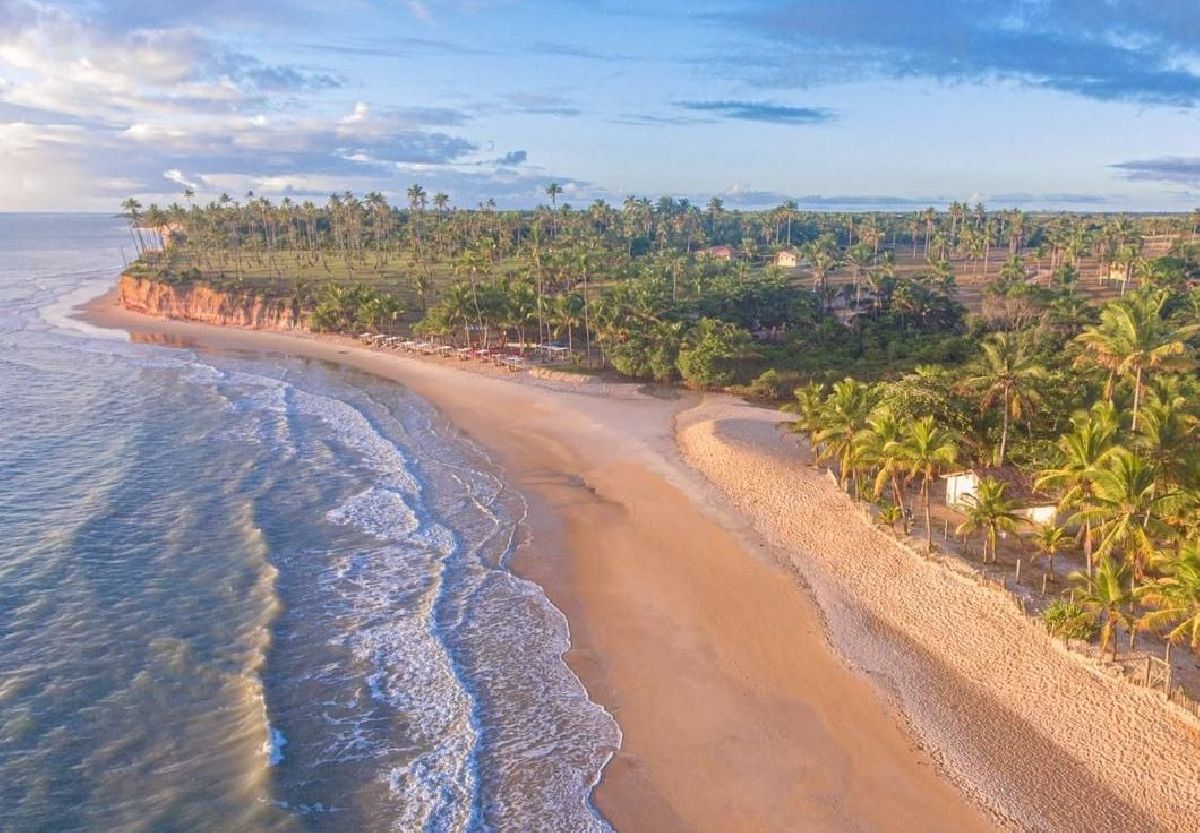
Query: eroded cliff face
201, 303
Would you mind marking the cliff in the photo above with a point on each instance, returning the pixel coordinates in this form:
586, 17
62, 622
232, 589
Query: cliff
202, 303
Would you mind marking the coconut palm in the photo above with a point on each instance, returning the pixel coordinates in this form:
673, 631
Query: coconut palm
1132, 339
1108, 595
990, 510
881, 448
1009, 377
927, 450
807, 408
1079, 453
843, 415
1176, 597
1049, 539
1125, 507
1167, 436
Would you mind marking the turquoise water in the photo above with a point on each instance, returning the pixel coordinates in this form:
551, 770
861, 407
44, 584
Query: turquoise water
250, 592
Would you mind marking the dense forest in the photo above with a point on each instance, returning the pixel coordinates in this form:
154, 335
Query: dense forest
668, 290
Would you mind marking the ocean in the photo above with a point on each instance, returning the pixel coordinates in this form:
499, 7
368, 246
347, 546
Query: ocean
251, 592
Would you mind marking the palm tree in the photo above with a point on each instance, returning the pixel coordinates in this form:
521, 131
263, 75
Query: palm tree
890, 514
990, 510
1167, 435
552, 191
787, 213
715, 207
880, 446
133, 216
566, 315
1176, 596
927, 451
1107, 595
1049, 539
842, 417
1009, 377
810, 399
1080, 452
1133, 338
1125, 507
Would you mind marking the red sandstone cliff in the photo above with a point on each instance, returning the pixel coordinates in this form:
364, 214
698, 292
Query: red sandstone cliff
201, 303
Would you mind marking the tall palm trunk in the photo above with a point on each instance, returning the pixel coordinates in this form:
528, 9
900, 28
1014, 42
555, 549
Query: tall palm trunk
1004, 431
928, 518
899, 502
1137, 392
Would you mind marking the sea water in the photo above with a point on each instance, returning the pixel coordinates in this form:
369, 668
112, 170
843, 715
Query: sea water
252, 592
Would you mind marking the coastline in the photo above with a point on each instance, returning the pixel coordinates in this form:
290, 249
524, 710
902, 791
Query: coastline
736, 713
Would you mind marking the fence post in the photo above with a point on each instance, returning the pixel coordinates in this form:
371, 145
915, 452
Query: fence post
1045, 578
1148, 663
1018, 571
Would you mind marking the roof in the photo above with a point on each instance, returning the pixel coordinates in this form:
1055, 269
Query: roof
1018, 487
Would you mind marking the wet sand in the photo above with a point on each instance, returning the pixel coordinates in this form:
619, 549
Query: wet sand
736, 713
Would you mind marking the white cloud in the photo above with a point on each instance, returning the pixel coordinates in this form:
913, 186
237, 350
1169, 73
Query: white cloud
175, 175
420, 11
68, 65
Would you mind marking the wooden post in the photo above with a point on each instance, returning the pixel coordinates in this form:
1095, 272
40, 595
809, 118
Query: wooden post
1018, 571
1045, 578
945, 529
1146, 682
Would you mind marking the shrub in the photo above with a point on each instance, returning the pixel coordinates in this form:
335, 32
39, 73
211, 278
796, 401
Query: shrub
766, 386
711, 353
1067, 620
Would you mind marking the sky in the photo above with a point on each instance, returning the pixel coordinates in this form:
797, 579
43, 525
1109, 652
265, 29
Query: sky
837, 104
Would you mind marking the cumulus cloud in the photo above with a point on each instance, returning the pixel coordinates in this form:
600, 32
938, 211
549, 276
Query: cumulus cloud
72, 66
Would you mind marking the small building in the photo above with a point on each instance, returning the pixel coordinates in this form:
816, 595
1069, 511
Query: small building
787, 259
725, 253
1037, 508
162, 237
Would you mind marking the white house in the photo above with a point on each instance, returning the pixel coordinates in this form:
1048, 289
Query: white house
787, 259
1039, 509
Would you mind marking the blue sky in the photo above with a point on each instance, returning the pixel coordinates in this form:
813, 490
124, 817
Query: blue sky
892, 104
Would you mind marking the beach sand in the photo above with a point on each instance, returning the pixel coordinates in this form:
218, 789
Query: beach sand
1046, 737
736, 713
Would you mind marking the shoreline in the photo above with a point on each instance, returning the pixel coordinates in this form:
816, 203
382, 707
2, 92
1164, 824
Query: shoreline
736, 712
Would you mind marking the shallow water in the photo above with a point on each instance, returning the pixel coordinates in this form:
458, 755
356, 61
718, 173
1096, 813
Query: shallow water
257, 593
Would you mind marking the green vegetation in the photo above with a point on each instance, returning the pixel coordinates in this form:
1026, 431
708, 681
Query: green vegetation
1104, 420
1058, 346
640, 288
1068, 620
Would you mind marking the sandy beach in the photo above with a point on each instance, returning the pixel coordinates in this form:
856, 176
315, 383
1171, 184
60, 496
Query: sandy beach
736, 713
1043, 736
